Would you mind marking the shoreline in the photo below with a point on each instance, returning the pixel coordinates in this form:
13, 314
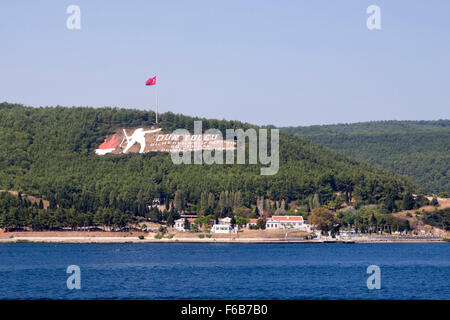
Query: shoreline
204, 240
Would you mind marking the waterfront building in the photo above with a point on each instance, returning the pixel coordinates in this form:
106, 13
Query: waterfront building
180, 223
223, 228
287, 222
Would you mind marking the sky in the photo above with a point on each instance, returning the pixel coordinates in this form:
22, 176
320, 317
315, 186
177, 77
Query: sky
284, 63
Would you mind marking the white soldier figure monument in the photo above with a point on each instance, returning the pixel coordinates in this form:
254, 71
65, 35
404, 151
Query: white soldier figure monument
138, 136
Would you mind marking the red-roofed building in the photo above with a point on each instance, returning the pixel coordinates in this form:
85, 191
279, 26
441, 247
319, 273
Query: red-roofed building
287, 222
179, 223
251, 222
288, 218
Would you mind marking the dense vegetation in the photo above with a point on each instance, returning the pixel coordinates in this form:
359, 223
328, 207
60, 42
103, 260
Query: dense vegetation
48, 153
439, 218
419, 150
363, 220
16, 213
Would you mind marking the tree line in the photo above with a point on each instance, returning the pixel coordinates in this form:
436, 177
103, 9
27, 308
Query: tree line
419, 150
49, 153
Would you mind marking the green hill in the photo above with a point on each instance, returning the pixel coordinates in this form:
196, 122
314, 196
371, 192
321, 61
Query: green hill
419, 150
49, 153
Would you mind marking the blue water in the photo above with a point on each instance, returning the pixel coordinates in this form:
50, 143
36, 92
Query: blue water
225, 271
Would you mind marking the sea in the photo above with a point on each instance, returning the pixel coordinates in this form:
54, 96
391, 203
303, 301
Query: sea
225, 271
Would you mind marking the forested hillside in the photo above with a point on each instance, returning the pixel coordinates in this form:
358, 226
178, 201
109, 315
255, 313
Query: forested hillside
49, 153
419, 150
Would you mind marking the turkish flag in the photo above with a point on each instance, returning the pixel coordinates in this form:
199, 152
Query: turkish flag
151, 81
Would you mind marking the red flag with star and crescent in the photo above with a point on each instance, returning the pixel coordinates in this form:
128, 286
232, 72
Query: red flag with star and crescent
151, 81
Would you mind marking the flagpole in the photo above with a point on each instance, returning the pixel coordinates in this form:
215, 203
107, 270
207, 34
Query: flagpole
156, 97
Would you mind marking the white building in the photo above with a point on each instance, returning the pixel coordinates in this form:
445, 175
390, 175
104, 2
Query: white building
272, 224
179, 223
222, 228
287, 222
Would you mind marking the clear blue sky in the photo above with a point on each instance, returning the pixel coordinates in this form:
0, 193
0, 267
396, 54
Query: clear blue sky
264, 62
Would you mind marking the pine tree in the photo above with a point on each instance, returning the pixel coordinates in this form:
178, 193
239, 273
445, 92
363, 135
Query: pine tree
141, 204
187, 224
233, 222
170, 220
315, 201
167, 204
260, 204
203, 202
228, 202
112, 200
222, 201
408, 201
257, 212
237, 199
179, 200
211, 201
